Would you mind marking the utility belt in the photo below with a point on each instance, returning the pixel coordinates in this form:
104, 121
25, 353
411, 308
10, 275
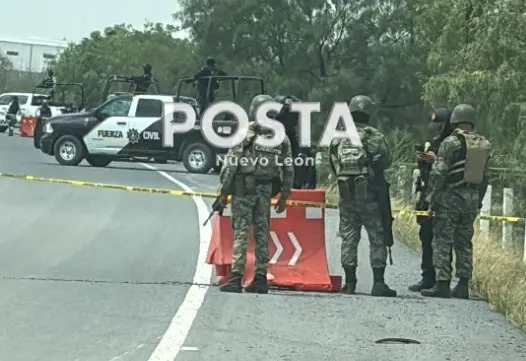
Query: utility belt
355, 188
246, 184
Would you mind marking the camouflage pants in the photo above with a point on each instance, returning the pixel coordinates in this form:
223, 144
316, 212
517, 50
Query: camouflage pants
247, 211
354, 215
453, 229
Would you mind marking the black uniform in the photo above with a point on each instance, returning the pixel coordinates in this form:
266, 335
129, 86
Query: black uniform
13, 110
43, 112
441, 128
142, 82
202, 84
304, 175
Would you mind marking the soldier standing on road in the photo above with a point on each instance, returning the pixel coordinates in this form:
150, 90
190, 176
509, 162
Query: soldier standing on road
357, 167
12, 111
440, 128
251, 187
458, 183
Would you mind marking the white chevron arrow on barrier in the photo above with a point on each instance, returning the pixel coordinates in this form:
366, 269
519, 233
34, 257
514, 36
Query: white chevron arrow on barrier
297, 251
279, 248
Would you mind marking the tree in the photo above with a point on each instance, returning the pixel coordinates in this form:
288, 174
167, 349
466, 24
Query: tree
121, 50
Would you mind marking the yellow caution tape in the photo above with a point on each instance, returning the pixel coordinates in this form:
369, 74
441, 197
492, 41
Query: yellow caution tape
176, 192
430, 214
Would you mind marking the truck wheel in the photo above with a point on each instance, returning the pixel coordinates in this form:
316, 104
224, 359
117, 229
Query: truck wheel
198, 158
3, 129
69, 150
98, 160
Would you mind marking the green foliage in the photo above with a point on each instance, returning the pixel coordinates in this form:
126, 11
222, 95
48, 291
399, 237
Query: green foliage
407, 55
121, 50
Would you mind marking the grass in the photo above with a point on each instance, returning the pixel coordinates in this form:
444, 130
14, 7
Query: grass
498, 275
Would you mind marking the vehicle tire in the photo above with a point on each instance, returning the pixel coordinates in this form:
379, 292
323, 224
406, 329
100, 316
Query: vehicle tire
98, 161
3, 129
69, 150
198, 158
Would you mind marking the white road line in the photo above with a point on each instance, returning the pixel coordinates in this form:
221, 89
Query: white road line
173, 339
189, 348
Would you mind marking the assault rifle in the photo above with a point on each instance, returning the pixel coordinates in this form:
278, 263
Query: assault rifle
216, 207
381, 188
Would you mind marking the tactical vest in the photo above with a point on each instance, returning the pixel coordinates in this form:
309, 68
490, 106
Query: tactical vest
470, 162
351, 159
263, 163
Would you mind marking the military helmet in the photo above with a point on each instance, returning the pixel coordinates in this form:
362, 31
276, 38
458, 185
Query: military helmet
361, 103
210, 61
256, 102
463, 113
147, 68
283, 99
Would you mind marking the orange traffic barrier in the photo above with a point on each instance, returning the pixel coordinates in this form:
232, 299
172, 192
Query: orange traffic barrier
27, 126
297, 256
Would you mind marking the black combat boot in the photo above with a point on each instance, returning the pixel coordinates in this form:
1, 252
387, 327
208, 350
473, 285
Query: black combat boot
350, 280
258, 285
424, 284
233, 285
380, 289
440, 290
461, 290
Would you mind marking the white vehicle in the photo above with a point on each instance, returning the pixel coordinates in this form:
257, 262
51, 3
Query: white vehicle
29, 103
128, 127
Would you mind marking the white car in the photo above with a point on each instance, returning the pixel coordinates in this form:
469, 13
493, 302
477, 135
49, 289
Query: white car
29, 104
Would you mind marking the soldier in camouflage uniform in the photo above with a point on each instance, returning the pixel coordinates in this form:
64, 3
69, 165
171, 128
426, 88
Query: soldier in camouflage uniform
251, 190
458, 182
353, 165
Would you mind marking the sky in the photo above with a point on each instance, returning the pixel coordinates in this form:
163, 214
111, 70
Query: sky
74, 20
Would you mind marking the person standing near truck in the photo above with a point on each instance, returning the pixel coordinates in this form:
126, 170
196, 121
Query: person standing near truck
12, 111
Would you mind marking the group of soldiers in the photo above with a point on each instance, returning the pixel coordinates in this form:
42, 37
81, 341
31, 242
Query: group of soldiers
453, 182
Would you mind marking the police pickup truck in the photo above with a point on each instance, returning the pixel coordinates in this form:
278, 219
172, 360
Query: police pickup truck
128, 127
29, 104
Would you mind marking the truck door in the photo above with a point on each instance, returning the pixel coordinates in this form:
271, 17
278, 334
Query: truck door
144, 133
109, 135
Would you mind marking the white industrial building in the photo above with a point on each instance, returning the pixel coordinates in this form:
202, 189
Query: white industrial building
31, 55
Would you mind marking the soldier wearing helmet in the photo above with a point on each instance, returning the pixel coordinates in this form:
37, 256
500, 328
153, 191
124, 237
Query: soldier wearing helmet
458, 183
206, 87
359, 169
143, 82
439, 128
250, 175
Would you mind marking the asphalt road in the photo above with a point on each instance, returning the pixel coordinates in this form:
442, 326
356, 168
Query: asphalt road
103, 275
